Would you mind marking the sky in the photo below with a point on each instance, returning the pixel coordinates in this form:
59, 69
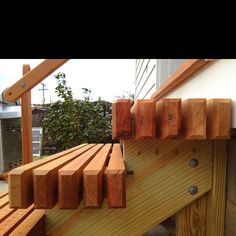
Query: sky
107, 78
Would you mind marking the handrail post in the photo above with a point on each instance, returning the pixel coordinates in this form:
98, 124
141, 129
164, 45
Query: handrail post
26, 123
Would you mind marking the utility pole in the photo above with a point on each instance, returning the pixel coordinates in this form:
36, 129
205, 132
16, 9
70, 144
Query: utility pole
43, 89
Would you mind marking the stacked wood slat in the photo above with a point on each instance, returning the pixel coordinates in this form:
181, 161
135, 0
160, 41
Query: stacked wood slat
194, 118
66, 177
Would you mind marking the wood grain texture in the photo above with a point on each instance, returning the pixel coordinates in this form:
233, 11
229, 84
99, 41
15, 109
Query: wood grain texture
21, 180
219, 118
93, 178
230, 226
32, 78
33, 225
217, 196
191, 221
3, 193
116, 191
143, 114
5, 212
4, 201
26, 123
70, 179
169, 118
183, 73
121, 119
157, 189
45, 179
194, 118
10, 223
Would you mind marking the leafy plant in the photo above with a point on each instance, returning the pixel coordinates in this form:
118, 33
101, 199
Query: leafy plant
70, 122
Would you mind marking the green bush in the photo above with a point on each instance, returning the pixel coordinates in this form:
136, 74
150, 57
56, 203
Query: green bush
71, 122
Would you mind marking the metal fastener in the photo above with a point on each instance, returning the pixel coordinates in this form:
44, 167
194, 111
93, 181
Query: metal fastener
193, 163
193, 190
22, 85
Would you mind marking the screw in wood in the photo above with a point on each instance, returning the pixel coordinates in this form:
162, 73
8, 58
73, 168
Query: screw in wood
22, 85
193, 190
193, 163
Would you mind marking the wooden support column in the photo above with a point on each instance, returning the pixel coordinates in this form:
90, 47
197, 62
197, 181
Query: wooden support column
26, 123
217, 196
191, 220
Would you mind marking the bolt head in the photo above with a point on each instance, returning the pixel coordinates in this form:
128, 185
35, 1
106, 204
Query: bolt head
193, 190
193, 163
22, 85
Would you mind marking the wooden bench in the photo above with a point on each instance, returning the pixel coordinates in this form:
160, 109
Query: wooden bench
58, 179
27, 221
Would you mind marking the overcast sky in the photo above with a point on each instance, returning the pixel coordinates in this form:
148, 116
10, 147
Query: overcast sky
107, 78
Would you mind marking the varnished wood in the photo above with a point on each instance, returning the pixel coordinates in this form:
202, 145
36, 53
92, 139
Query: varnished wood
194, 118
10, 223
32, 78
157, 189
4, 201
26, 123
183, 73
116, 191
3, 193
5, 212
169, 118
21, 179
93, 178
217, 196
33, 225
121, 119
143, 114
191, 221
45, 179
70, 179
219, 118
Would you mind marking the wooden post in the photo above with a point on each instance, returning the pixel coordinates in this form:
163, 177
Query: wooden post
26, 122
217, 196
191, 220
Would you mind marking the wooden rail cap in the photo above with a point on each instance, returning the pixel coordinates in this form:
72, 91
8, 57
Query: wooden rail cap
116, 179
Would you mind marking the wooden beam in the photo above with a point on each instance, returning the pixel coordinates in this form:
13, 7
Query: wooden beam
45, 179
33, 225
93, 178
116, 192
158, 189
191, 221
26, 123
4, 201
219, 118
21, 180
70, 179
9, 224
143, 114
169, 118
32, 78
183, 73
217, 196
121, 119
194, 118
3, 193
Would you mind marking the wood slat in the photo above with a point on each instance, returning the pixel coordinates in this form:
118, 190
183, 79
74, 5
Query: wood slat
32, 78
33, 225
26, 123
191, 221
217, 196
70, 179
93, 178
10, 223
184, 72
143, 114
3, 193
5, 212
219, 118
194, 118
21, 180
4, 201
169, 118
116, 179
45, 179
121, 119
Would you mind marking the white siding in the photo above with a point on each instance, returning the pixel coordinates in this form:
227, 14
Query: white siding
217, 80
